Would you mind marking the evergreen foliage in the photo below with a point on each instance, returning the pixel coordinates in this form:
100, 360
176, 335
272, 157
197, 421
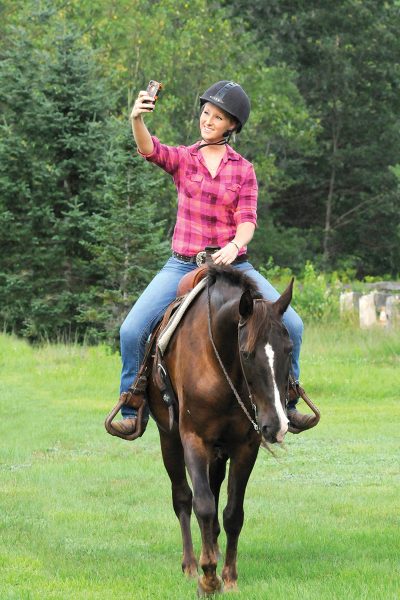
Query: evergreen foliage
345, 57
51, 174
127, 237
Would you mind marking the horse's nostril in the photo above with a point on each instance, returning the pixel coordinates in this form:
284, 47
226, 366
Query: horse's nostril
268, 431
272, 433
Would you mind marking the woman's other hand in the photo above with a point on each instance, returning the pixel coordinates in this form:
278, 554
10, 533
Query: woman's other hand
226, 255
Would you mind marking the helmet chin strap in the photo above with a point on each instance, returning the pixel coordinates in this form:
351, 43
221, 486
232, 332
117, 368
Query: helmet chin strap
227, 137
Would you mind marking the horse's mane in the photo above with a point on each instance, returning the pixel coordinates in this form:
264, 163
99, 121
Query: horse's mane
233, 277
262, 317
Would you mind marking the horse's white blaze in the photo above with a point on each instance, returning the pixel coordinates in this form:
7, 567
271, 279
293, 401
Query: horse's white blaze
283, 421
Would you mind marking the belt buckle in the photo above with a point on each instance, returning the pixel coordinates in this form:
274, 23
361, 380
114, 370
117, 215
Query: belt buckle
200, 258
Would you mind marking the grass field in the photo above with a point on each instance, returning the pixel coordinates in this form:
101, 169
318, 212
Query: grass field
87, 516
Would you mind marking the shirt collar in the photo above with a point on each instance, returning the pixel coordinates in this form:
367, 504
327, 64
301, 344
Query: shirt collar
231, 154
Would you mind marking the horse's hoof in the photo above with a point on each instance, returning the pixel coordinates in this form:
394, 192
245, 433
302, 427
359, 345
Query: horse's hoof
231, 586
210, 587
190, 571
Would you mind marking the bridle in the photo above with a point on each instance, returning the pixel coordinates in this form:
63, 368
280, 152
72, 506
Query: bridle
241, 324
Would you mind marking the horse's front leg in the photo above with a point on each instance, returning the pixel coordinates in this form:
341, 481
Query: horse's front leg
241, 465
197, 459
216, 476
172, 452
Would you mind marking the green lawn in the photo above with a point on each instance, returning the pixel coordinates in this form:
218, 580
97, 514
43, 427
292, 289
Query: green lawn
87, 516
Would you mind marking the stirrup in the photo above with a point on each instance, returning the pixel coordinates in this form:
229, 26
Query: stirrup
141, 424
301, 393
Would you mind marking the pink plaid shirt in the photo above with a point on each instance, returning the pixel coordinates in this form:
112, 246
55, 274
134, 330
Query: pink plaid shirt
209, 209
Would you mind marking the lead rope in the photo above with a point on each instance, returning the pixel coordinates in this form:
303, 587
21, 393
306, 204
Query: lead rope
228, 379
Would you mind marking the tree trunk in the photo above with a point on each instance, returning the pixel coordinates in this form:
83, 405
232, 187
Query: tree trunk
329, 201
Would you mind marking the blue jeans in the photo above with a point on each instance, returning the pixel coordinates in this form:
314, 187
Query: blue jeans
151, 305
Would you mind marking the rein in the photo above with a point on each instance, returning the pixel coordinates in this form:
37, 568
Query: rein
228, 379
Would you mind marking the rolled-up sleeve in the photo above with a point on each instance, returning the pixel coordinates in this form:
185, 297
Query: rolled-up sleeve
246, 211
166, 157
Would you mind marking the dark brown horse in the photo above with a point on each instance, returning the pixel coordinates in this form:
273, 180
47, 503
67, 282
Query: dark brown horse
229, 364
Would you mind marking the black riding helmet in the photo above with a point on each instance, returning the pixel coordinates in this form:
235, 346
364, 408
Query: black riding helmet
231, 97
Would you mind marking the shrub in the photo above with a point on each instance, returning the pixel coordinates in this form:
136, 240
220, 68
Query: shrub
315, 296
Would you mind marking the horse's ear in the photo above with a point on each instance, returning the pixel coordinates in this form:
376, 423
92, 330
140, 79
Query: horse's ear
284, 300
246, 305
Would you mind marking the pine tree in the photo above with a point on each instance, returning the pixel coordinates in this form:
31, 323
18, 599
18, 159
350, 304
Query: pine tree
52, 138
128, 240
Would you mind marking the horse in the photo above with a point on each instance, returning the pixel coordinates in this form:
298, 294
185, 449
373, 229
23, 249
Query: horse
228, 363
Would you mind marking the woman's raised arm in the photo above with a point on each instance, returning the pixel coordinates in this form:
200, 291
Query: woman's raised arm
143, 104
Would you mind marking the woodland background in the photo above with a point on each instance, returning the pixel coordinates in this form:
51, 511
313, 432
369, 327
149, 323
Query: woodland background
85, 223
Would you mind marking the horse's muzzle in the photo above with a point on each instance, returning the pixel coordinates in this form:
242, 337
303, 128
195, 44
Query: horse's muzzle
273, 434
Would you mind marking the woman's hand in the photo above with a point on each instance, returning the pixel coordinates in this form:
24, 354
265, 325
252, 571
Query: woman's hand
226, 255
143, 104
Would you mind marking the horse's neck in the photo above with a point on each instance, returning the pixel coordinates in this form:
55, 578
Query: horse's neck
224, 323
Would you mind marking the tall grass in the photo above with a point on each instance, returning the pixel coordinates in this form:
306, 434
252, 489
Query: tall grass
87, 516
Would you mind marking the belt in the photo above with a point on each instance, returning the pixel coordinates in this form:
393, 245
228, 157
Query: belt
199, 258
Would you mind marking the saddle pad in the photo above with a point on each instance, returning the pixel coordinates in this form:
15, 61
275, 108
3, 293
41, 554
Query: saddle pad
168, 332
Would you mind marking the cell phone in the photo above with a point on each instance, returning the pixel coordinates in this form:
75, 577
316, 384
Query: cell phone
153, 89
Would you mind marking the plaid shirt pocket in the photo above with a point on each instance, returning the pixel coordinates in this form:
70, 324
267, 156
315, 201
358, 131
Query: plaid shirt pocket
230, 193
193, 185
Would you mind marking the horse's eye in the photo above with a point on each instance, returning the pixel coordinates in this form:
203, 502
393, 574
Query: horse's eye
246, 355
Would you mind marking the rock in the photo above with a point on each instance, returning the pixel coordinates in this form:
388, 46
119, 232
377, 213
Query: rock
349, 302
380, 300
393, 311
367, 310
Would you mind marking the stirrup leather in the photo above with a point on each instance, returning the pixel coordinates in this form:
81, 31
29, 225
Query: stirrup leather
296, 391
135, 397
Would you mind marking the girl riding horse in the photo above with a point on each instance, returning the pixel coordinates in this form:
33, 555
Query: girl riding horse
217, 206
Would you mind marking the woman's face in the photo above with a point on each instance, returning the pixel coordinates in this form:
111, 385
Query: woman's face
214, 122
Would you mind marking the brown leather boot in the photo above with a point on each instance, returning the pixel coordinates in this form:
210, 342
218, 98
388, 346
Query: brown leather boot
299, 421
126, 426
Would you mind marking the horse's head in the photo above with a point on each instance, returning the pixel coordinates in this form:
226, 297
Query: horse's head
265, 353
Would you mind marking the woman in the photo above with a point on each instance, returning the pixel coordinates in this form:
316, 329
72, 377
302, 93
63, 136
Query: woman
217, 203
